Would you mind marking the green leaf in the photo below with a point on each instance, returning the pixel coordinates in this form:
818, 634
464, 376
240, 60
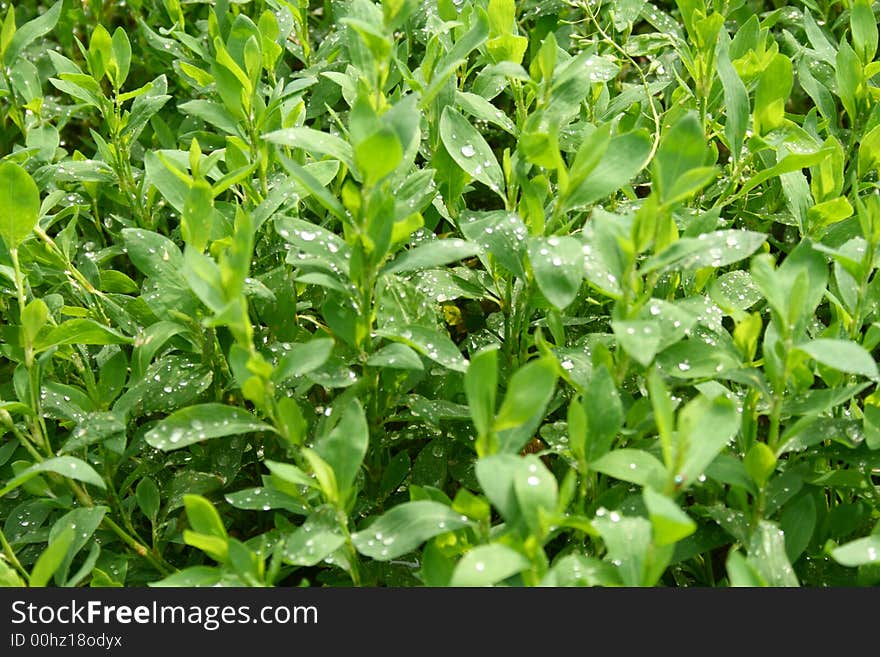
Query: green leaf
628, 541
431, 254
600, 68
83, 521
767, 556
736, 98
760, 461
529, 391
536, 492
203, 517
482, 109
233, 85
625, 156
858, 552
501, 15
20, 200
682, 152
79, 86
741, 572
262, 498
405, 527
378, 155
287, 472
496, 475
303, 358
30, 32
214, 114
6, 34
795, 289
577, 570
558, 265
66, 466
100, 52
480, 384
33, 318
153, 254
869, 151
470, 150
633, 465
798, 521
215, 547
196, 220
670, 524
310, 183
202, 422
705, 427
448, 64
486, 565
51, 558
396, 356
842, 355
789, 163
716, 249
604, 413
146, 105
639, 338
170, 382
735, 289
192, 576
864, 30
81, 331
148, 498
316, 539
433, 344
121, 57
500, 233
593, 147
344, 447
774, 87
314, 142
316, 247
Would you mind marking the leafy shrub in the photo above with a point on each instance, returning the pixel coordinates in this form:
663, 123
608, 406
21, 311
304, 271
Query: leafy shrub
459, 292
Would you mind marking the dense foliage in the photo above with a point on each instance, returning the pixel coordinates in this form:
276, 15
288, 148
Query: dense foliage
455, 292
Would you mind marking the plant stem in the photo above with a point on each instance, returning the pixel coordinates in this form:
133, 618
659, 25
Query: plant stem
776, 406
141, 550
10, 556
37, 425
353, 560
6, 419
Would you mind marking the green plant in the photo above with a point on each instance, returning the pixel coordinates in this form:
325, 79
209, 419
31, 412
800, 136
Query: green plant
465, 293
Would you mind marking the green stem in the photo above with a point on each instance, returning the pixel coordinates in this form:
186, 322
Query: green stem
141, 550
39, 431
117, 502
655, 115
776, 406
855, 328
353, 559
22, 302
123, 166
37, 425
74, 275
10, 556
6, 420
